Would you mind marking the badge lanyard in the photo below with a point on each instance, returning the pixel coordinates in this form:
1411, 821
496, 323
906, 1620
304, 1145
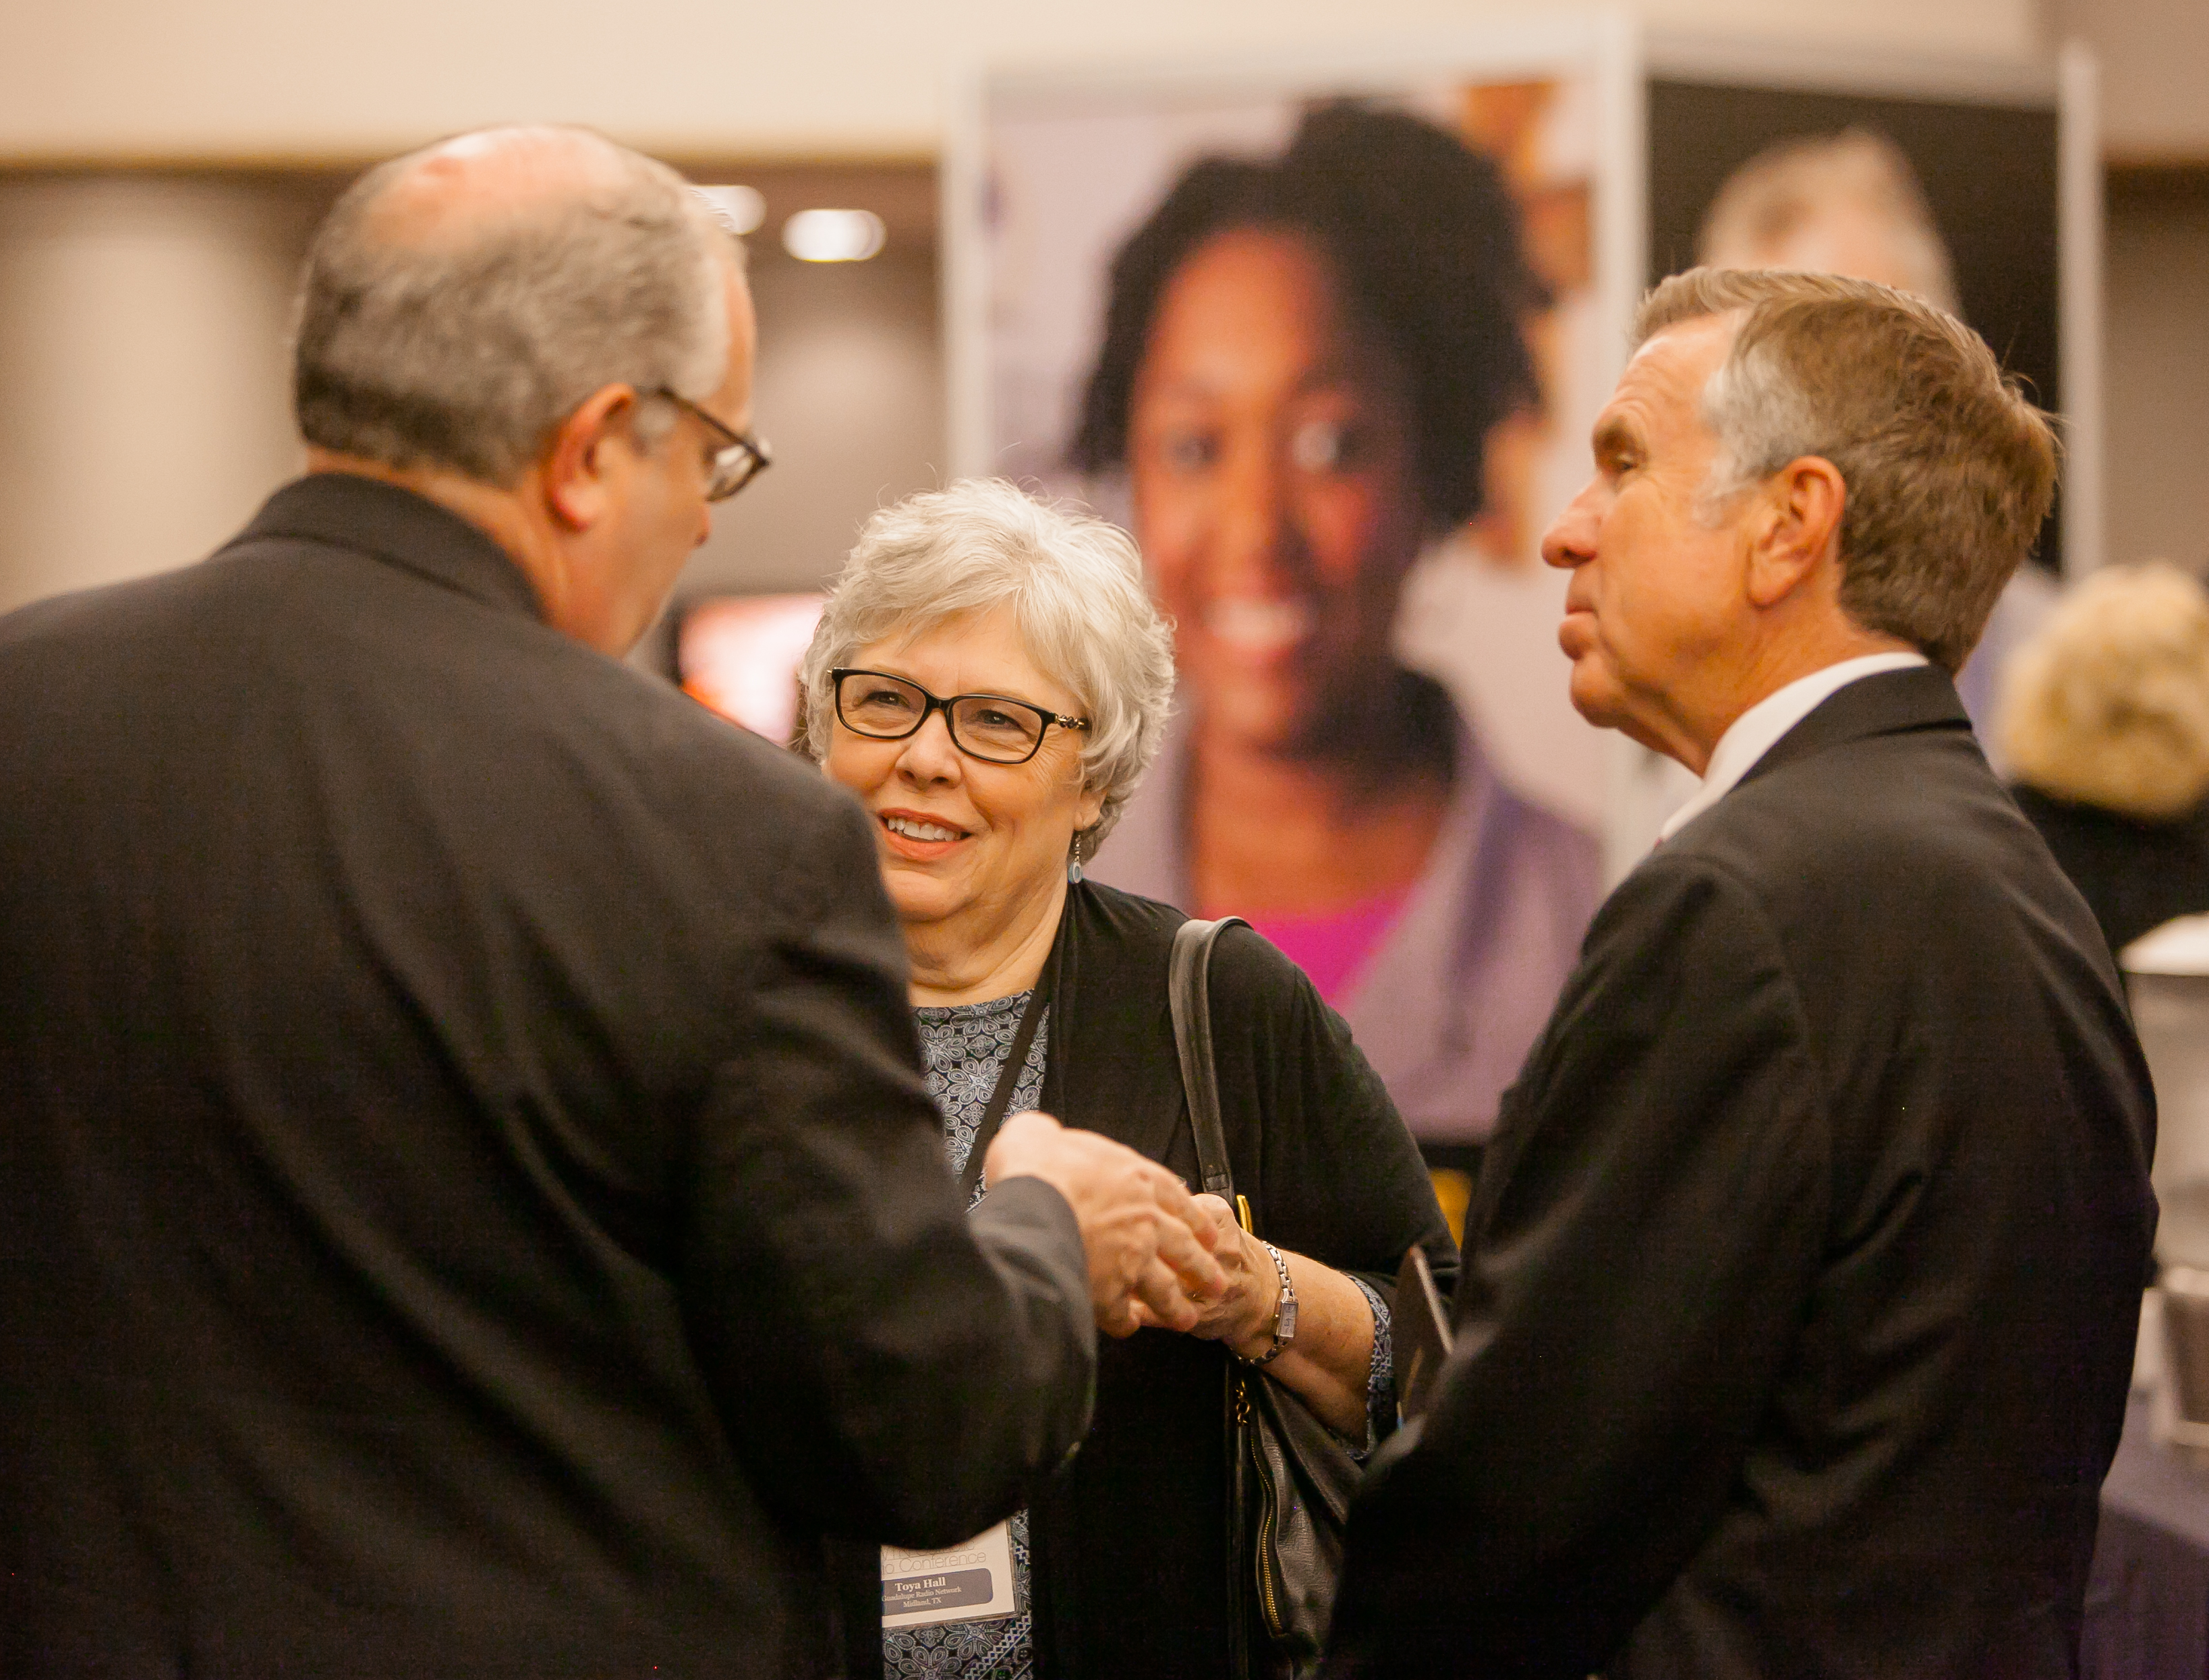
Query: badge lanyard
1016, 1060
1009, 1081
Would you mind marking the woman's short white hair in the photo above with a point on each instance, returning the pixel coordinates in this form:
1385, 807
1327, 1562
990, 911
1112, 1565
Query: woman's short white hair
1076, 585
2107, 704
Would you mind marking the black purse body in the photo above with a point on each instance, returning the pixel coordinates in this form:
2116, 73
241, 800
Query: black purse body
1290, 1477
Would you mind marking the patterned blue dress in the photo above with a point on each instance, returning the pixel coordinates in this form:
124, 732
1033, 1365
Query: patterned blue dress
965, 1047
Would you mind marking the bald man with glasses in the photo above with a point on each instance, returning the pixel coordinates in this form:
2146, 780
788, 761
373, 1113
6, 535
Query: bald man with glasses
469, 1201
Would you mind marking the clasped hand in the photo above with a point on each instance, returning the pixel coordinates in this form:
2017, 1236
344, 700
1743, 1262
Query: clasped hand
1242, 1314
1149, 1242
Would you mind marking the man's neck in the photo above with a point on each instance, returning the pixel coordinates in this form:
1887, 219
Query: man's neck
1773, 665
957, 962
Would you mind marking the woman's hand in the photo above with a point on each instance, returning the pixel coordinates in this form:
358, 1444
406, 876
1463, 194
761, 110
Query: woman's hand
1330, 1359
1243, 1314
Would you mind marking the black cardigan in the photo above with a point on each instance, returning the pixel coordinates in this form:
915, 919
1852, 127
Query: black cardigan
1130, 1550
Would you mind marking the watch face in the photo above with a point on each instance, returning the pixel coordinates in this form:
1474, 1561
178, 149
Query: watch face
1285, 1328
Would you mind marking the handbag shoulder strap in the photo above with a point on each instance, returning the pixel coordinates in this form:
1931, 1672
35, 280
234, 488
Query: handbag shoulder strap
1188, 994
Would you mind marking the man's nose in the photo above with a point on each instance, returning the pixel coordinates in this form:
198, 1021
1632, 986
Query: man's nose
1570, 541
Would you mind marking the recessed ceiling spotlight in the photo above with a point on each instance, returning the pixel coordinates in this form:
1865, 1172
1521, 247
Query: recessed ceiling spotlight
742, 208
833, 235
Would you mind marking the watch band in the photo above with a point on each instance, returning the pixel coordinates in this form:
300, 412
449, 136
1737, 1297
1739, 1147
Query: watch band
1284, 1311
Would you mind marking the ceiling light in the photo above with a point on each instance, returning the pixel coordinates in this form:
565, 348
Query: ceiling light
833, 235
742, 208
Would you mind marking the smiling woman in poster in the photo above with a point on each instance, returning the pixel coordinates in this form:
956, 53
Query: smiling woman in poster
1304, 363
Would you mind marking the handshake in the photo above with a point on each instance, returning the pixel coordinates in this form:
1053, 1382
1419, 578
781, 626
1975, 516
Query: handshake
1149, 1246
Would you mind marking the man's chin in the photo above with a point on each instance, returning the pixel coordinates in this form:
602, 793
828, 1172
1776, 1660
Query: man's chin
1595, 697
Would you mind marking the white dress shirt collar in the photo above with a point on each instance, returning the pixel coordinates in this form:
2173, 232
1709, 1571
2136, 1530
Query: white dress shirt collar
1758, 730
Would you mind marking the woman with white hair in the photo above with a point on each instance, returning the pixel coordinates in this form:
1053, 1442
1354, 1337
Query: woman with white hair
991, 679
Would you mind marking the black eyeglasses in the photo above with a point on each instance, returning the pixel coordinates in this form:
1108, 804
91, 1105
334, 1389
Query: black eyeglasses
991, 728
740, 458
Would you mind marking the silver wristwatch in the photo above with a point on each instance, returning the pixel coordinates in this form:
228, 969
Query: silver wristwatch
1285, 1313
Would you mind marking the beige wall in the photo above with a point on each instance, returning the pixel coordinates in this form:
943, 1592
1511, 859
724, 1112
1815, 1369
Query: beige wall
143, 324
2157, 408
279, 79
2155, 65
2154, 57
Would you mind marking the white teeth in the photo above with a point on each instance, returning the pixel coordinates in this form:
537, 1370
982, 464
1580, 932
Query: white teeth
1260, 626
920, 831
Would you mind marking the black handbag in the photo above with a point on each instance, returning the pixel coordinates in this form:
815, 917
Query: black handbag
1290, 1477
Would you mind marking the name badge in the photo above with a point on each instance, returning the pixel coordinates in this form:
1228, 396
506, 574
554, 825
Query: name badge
971, 1582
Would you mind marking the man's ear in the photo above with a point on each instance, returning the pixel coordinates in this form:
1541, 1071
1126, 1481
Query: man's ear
1799, 529
580, 460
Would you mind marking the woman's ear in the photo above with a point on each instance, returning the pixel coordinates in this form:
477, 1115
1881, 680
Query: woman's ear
1088, 809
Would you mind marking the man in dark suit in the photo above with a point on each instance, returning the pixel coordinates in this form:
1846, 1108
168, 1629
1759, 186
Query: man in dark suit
1800, 1281
468, 1200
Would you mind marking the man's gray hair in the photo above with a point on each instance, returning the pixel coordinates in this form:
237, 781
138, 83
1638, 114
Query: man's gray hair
465, 347
1949, 468
1076, 585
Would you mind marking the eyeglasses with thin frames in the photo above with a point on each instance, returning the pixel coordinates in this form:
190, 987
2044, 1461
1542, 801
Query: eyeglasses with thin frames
740, 457
992, 727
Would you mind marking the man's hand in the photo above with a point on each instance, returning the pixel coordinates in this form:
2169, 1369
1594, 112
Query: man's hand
1145, 1236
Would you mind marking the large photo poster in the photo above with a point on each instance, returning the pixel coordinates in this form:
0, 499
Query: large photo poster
1331, 354
1329, 345
1957, 199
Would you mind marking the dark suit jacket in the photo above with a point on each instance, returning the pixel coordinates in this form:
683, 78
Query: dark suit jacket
1802, 1279
468, 1203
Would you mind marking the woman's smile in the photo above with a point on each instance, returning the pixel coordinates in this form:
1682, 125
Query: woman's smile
910, 834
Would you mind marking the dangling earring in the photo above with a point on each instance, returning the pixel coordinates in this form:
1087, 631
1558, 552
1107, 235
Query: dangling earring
1073, 870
